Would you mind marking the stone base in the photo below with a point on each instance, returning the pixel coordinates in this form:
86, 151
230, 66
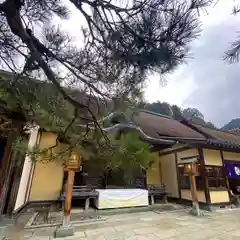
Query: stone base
236, 201
206, 207
64, 231
195, 211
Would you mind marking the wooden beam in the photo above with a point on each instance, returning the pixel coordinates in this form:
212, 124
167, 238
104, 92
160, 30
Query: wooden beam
178, 176
180, 149
205, 178
225, 176
193, 185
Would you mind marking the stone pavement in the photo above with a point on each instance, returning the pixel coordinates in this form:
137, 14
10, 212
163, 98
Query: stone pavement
150, 225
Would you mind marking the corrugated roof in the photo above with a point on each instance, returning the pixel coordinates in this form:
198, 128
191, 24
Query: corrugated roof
156, 125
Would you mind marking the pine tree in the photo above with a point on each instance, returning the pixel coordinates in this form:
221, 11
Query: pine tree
124, 41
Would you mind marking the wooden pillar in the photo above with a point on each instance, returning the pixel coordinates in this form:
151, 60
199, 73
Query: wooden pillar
191, 170
193, 185
204, 176
195, 206
178, 176
68, 199
71, 165
226, 178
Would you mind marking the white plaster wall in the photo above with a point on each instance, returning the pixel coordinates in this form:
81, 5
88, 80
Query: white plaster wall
27, 169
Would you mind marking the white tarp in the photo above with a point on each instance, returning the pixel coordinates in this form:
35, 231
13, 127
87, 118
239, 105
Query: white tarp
119, 198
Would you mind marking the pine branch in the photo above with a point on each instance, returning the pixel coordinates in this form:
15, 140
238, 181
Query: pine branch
232, 55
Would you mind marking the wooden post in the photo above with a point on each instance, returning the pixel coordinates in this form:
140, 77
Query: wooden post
71, 165
193, 185
68, 199
195, 206
191, 170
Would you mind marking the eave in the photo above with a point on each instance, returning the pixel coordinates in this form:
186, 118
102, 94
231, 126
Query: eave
220, 145
121, 128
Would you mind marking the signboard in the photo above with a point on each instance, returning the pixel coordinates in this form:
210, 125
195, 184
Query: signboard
232, 170
192, 159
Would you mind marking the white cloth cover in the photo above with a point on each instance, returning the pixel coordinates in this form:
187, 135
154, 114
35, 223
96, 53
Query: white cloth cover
120, 198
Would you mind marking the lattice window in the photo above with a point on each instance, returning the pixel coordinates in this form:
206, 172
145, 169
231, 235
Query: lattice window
215, 177
184, 180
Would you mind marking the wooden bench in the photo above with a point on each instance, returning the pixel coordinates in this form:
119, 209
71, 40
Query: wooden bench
81, 192
157, 191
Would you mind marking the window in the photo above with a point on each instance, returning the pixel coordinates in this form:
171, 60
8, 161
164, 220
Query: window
215, 177
184, 179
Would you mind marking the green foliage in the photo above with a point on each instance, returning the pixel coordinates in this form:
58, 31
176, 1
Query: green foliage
123, 43
176, 112
126, 152
44, 155
131, 152
38, 101
209, 124
160, 107
231, 55
20, 144
192, 113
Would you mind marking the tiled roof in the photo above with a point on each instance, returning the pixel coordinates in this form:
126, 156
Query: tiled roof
224, 136
235, 130
156, 125
218, 137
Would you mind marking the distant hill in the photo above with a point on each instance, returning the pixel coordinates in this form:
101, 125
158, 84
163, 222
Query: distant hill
234, 123
176, 112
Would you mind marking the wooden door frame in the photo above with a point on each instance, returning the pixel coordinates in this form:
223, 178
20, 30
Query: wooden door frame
16, 178
7, 166
7, 157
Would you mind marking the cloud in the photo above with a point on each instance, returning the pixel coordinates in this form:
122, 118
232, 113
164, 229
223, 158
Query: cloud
206, 82
174, 92
218, 83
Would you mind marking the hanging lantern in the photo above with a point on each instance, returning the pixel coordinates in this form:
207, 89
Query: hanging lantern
74, 162
190, 168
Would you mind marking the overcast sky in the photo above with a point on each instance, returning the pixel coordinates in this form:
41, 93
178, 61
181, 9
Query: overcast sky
206, 82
